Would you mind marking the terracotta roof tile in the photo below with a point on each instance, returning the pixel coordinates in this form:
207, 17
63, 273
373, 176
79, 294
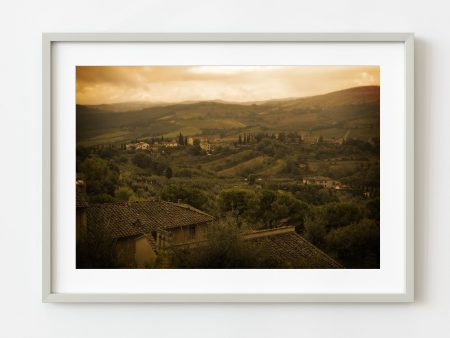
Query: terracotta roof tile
288, 246
141, 217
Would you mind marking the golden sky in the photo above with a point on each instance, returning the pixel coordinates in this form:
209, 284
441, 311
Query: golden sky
115, 84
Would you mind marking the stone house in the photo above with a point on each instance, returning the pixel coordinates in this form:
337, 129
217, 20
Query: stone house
142, 146
138, 146
143, 229
323, 181
309, 139
206, 146
190, 141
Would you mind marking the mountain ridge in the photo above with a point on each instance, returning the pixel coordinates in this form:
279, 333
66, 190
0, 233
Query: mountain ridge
333, 114
131, 105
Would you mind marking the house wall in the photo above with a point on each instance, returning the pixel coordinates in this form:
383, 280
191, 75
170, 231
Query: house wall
182, 234
144, 255
125, 250
135, 253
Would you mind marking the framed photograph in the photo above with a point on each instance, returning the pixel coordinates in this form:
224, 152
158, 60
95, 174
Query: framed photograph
228, 167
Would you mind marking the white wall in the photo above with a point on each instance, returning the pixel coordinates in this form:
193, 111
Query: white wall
23, 315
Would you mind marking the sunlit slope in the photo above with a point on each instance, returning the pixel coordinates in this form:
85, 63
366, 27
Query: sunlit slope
353, 112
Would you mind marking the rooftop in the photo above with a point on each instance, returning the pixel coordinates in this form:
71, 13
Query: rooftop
285, 245
130, 219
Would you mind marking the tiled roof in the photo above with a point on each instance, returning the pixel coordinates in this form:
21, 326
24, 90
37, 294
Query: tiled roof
141, 217
286, 246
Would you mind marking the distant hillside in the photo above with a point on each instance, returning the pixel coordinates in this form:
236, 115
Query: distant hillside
352, 96
123, 107
354, 112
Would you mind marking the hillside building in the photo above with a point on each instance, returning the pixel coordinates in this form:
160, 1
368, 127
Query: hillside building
144, 230
310, 139
323, 181
165, 144
206, 146
138, 146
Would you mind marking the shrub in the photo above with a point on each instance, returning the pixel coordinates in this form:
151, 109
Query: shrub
356, 245
123, 194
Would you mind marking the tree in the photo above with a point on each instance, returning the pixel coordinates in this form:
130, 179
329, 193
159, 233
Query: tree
107, 153
94, 168
273, 148
287, 206
240, 139
323, 219
265, 212
373, 209
168, 172
196, 150
273, 207
240, 202
292, 136
101, 179
339, 214
259, 137
143, 161
251, 179
291, 167
186, 193
314, 194
226, 249
356, 245
315, 232
181, 139
123, 194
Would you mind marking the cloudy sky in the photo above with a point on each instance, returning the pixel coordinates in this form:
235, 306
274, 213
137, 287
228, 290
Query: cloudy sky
115, 84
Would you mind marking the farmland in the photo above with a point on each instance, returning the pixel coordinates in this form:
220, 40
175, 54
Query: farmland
308, 161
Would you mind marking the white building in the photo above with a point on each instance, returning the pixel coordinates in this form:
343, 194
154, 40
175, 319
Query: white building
325, 182
142, 146
138, 146
206, 146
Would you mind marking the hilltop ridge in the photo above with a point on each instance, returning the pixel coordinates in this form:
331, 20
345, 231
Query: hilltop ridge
333, 113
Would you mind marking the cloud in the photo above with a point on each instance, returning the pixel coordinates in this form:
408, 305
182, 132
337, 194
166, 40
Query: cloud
113, 84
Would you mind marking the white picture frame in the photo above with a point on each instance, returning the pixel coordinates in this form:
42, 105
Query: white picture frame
49, 294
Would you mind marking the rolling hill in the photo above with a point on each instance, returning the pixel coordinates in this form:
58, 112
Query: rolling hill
353, 111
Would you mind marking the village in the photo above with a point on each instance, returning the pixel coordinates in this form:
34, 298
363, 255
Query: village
160, 145
210, 176
156, 146
292, 184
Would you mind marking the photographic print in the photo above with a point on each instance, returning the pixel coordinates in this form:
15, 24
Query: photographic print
228, 167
